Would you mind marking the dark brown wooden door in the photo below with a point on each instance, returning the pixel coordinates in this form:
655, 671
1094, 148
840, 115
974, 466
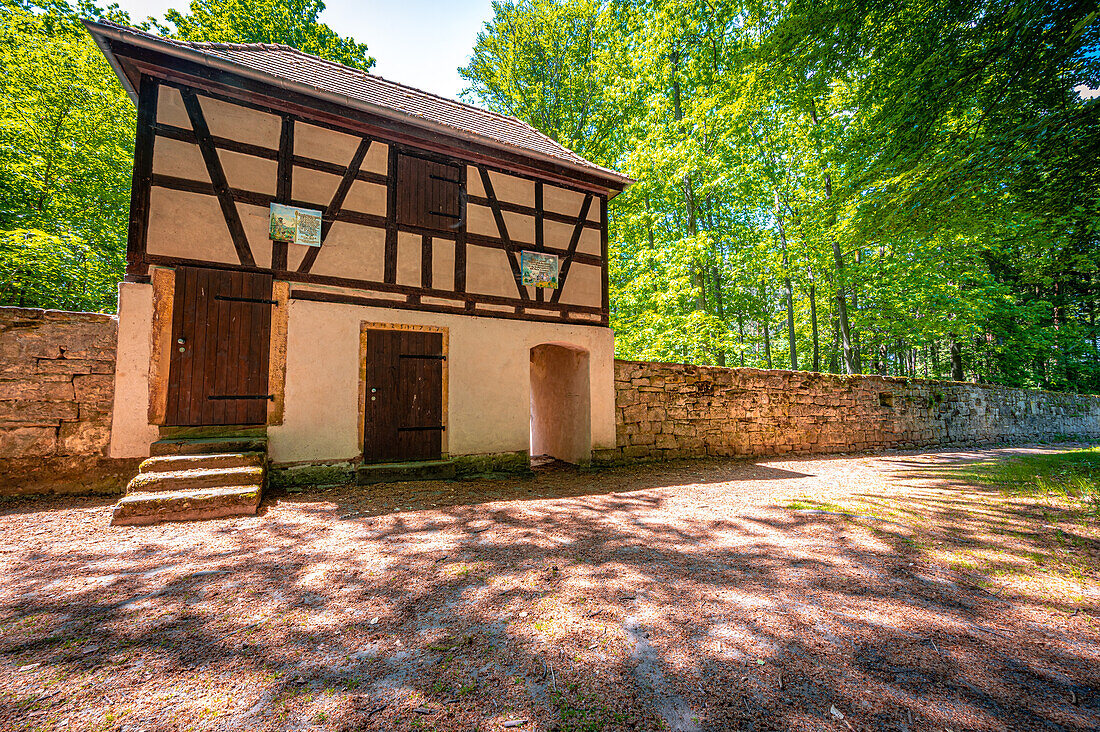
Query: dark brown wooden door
221, 327
403, 416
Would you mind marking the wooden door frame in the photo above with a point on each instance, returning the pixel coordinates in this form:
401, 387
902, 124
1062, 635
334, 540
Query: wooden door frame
164, 287
365, 326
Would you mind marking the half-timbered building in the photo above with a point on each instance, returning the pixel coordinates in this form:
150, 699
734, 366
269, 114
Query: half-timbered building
411, 332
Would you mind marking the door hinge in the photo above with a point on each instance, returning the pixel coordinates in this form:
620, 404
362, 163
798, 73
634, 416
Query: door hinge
269, 397
254, 300
423, 356
421, 429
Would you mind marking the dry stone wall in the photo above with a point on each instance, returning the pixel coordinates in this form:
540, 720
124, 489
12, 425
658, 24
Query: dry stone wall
676, 410
56, 396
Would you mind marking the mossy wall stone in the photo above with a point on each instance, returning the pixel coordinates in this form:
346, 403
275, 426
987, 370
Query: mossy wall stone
666, 411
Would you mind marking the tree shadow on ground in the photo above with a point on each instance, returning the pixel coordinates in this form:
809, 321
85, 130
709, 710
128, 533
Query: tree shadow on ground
630, 607
554, 481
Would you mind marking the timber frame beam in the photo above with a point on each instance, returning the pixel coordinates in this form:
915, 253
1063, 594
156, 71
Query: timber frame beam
541, 306
246, 91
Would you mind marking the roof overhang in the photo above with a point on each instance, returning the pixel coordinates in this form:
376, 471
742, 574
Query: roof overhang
107, 36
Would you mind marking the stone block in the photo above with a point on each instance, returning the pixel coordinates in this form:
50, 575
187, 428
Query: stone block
94, 388
89, 437
38, 412
34, 389
24, 442
664, 442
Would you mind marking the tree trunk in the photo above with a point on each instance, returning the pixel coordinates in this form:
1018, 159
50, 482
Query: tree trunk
813, 326
688, 188
956, 359
834, 363
767, 343
857, 350
792, 343
842, 312
741, 336
720, 310
850, 359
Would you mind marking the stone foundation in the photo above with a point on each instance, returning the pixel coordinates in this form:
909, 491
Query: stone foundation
666, 411
298, 477
56, 395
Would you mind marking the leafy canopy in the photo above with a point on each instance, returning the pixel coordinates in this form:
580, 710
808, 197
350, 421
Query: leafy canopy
291, 22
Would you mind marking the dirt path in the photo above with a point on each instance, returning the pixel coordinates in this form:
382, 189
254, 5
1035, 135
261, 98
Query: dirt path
685, 596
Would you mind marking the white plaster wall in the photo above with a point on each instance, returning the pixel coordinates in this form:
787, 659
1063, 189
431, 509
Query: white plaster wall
131, 433
489, 390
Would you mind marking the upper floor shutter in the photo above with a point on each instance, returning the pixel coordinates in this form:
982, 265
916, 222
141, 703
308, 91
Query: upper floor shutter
428, 193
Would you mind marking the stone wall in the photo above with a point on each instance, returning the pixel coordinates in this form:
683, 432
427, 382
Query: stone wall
675, 410
56, 392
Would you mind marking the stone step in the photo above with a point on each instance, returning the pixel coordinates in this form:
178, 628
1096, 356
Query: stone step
187, 505
397, 472
168, 463
207, 445
190, 480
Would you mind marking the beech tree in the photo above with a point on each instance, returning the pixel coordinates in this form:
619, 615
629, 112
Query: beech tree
905, 188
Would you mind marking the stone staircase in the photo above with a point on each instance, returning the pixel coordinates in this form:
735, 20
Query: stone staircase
196, 478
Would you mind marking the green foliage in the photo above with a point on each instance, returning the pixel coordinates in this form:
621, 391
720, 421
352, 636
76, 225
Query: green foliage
67, 137
927, 166
291, 22
66, 146
552, 62
38, 269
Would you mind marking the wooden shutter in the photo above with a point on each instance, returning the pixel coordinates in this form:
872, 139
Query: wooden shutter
428, 193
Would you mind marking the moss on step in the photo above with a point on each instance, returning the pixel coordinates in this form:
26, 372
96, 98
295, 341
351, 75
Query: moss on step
470, 466
296, 478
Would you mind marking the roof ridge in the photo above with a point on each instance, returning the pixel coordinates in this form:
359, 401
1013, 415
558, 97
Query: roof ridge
227, 46
391, 82
283, 61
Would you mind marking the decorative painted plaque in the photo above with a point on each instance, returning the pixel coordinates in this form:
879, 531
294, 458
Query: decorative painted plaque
539, 270
297, 225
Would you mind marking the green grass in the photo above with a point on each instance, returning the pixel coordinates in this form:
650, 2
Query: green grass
807, 504
1073, 475
582, 713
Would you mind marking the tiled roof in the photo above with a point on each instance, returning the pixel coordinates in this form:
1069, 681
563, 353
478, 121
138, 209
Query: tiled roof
284, 62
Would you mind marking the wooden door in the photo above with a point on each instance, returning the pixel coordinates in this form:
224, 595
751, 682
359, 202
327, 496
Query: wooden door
403, 414
221, 328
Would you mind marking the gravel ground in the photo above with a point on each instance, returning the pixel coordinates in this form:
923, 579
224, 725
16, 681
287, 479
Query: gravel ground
683, 596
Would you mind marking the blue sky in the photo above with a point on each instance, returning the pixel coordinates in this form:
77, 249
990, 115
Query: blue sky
417, 42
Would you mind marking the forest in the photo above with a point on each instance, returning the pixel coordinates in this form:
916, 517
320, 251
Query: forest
905, 187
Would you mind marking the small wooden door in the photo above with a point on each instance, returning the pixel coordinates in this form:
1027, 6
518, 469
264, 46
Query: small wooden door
221, 328
403, 415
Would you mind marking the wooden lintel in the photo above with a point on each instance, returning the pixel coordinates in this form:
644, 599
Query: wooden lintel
311, 278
